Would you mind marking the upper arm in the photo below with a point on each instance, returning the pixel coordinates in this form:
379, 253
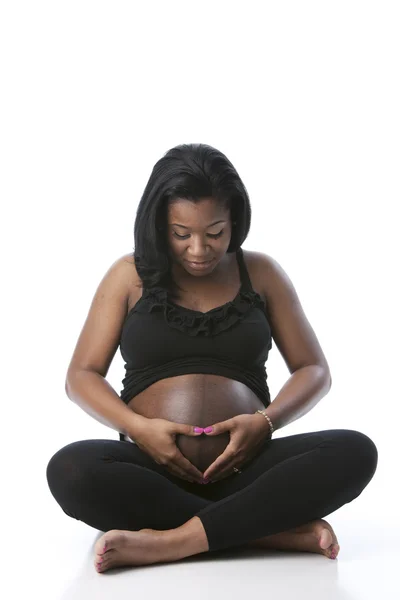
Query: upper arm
101, 332
291, 330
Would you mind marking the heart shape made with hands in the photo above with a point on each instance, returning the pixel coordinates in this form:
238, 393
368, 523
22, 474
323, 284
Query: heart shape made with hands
247, 433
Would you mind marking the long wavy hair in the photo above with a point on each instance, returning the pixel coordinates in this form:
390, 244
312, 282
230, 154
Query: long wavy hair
192, 172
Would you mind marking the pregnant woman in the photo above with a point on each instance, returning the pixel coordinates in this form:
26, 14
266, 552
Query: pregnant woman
196, 468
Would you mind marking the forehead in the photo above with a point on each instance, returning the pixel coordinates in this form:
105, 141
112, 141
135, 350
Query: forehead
207, 209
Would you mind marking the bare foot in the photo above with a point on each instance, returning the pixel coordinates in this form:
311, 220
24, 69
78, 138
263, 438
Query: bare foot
148, 546
315, 536
143, 547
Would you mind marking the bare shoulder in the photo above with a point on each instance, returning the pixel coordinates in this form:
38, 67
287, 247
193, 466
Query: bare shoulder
101, 332
269, 277
122, 275
126, 264
128, 259
252, 257
258, 267
265, 269
290, 327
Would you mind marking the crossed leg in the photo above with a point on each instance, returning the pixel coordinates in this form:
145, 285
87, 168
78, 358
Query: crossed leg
331, 469
278, 500
118, 548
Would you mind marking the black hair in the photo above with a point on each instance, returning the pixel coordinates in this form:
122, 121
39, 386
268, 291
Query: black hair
192, 172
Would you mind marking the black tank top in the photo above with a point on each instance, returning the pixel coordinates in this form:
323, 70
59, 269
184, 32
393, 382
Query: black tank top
162, 339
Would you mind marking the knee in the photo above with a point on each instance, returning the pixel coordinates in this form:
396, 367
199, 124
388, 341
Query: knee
67, 470
359, 450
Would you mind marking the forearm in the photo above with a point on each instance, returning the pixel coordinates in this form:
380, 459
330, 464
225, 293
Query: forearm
302, 391
97, 398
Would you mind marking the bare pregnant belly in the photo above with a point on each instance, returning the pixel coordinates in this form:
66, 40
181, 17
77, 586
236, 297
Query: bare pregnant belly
201, 400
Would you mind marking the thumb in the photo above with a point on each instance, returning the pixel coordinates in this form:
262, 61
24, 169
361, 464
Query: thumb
218, 428
190, 430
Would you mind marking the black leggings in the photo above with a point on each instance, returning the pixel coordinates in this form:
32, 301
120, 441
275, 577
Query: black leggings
295, 479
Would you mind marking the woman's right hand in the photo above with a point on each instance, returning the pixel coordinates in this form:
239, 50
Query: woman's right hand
157, 437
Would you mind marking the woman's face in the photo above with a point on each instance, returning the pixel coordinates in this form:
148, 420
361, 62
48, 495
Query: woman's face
194, 236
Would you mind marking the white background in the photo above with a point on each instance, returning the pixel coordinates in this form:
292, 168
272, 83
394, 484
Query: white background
302, 97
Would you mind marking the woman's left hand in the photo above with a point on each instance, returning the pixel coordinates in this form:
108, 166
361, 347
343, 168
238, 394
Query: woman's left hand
247, 435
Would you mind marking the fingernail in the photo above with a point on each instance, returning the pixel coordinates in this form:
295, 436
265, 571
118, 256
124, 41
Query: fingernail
208, 430
206, 480
198, 430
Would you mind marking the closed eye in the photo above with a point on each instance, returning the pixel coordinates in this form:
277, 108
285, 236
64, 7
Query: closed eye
214, 236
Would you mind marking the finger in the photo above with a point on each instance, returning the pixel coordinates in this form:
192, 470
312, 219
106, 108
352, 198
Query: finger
218, 428
226, 472
183, 473
218, 465
238, 462
187, 467
179, 473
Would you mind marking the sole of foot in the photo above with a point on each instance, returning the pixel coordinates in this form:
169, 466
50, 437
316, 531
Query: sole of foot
316, 536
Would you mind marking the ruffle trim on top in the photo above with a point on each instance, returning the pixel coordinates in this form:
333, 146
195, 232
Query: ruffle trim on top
197, 323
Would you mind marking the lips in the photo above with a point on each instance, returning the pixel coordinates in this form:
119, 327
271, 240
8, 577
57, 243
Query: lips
200, 266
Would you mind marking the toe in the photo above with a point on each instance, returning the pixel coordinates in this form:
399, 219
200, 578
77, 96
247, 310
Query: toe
98, 557
325, 539
334, 551
104, 565
100, 544
107, 541
98, 560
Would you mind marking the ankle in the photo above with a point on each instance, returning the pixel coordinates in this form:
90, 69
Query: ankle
190, 538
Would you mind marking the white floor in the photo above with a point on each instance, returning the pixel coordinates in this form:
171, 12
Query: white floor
55, 561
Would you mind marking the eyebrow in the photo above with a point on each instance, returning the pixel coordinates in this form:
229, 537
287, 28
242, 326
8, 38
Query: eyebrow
184, 226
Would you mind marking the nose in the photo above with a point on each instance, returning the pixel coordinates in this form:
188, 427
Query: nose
198, 249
